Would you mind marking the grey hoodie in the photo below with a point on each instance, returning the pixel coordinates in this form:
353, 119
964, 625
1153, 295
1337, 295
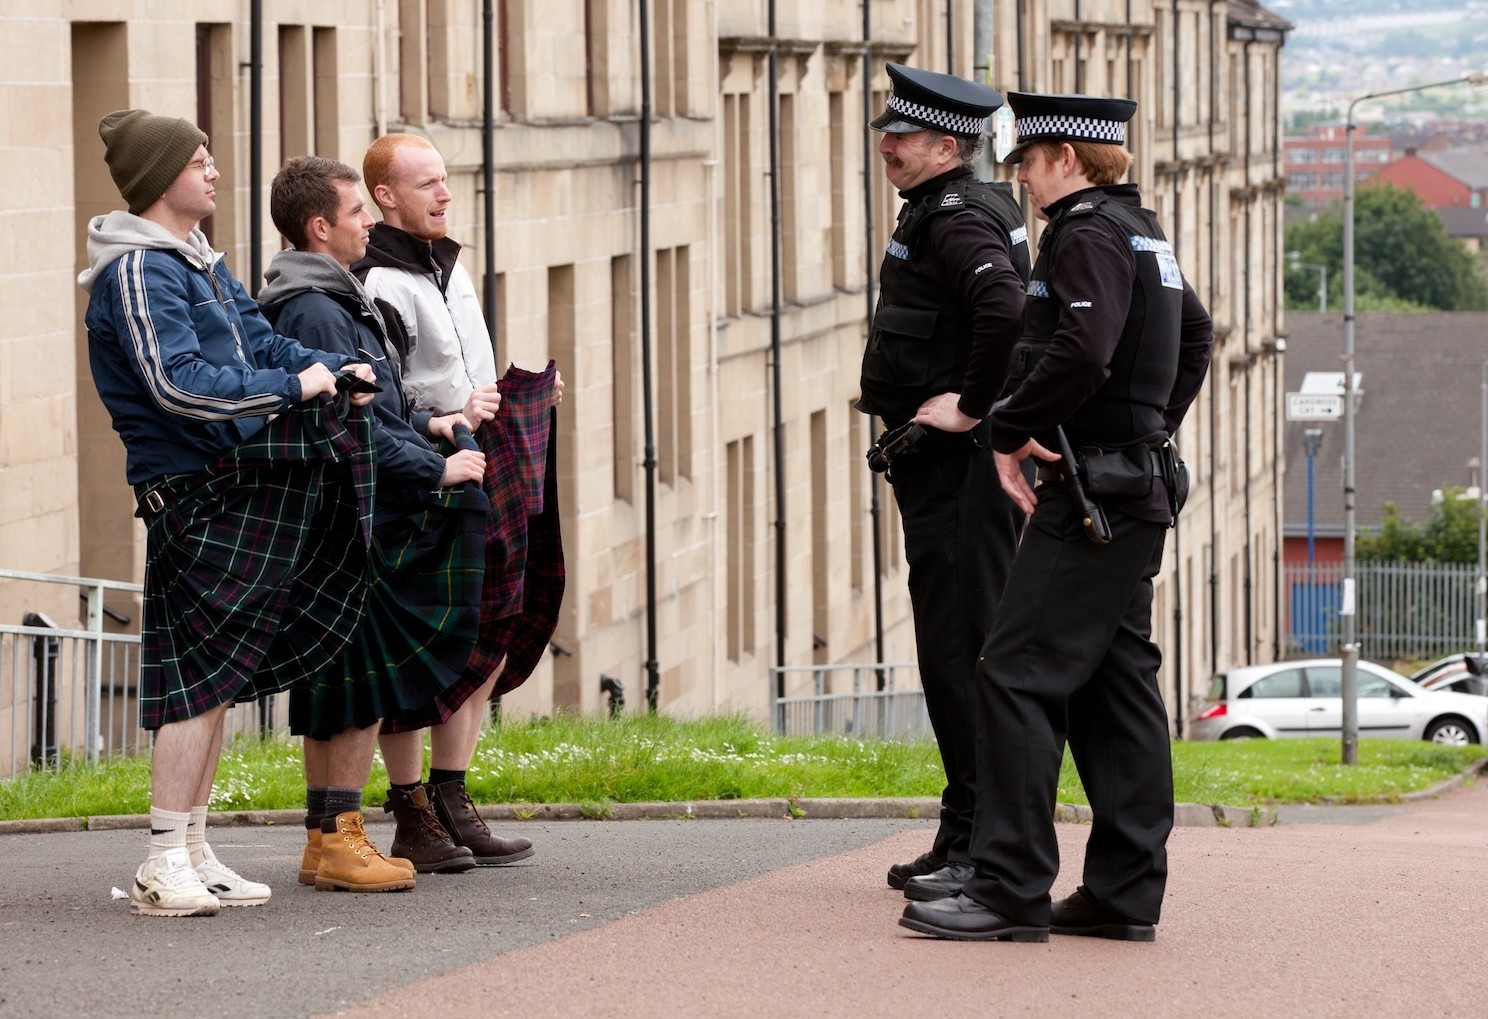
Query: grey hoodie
116, 234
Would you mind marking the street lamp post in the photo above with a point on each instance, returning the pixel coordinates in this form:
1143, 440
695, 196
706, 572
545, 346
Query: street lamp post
1346, 608
1481, 600
1296, 263
1312, 442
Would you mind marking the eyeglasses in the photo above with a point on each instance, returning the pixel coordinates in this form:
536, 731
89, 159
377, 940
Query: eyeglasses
207, 165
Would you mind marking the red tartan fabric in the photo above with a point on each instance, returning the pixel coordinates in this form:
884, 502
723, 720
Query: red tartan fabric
517, 445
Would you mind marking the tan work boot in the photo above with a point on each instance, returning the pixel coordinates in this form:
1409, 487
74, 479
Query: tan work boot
420, 837
349, 862
310, 862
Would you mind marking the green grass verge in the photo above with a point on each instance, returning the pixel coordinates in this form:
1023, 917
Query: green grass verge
597, 762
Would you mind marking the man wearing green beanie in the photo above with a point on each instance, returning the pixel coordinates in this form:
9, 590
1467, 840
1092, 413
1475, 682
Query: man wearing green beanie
253, 476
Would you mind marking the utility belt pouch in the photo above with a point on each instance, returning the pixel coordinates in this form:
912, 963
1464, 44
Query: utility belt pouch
891, 444
1121, 474
1174, 473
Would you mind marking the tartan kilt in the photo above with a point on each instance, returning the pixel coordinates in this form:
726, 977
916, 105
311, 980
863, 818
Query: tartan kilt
256, 569
517, 447
420, 624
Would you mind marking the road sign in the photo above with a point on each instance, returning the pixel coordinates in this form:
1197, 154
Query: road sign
1314, 406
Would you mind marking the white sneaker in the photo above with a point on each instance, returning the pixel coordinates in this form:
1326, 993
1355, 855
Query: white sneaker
168, 886
230, 887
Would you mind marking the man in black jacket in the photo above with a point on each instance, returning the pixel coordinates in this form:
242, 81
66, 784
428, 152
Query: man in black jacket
1115, 348
952, 292
429, 522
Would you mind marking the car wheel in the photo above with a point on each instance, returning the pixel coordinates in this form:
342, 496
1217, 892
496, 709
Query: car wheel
1450, 730
1241, 732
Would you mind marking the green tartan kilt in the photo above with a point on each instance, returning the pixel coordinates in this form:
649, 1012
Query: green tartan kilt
420, 623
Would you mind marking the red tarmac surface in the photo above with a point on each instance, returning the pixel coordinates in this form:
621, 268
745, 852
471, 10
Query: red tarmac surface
1375, 914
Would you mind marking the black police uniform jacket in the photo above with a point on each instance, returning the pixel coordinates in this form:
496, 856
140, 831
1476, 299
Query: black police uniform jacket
1115, 342
950, 298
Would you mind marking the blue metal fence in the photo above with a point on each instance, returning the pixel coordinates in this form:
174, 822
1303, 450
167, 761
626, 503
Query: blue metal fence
1405, 610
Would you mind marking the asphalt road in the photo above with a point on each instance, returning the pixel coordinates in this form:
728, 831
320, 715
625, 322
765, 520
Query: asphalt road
1378, 913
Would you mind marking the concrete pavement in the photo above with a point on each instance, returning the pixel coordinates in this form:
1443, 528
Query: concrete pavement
1380, 913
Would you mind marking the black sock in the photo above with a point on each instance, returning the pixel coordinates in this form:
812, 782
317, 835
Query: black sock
339, 801
410, 787
315, 805
439, 776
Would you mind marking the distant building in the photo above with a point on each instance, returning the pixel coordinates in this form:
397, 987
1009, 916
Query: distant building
1315, 162
1442, 180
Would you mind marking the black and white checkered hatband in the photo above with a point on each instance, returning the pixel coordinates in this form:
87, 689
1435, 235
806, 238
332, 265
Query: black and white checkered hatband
1071, 128
943, 120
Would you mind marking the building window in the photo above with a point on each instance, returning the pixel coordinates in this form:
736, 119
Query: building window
740, 536
822, 521
1300, 181
858, 440
738, 205
413, 62
669, 63
1300, 155
1335, 155
1333, 181
674, 363
789, 212
624, 371
837, 120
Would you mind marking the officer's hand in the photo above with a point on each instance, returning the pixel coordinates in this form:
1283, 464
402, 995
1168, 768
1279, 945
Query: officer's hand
444, 427
1010, 473
482, 405
944, 412
557, 388
466, 465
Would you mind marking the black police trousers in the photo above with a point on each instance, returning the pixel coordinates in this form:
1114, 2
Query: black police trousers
960, 532
1071, 658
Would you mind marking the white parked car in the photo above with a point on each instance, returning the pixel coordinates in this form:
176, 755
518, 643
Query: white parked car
1303, 699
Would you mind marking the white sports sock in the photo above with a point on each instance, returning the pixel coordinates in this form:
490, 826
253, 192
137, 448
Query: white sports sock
167, 831
196, 836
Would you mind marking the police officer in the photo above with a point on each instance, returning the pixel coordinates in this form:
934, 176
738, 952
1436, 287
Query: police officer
951, 299
1115, 348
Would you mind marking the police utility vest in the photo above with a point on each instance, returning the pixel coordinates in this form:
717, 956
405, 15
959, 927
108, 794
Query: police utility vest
921, 341
1129, 405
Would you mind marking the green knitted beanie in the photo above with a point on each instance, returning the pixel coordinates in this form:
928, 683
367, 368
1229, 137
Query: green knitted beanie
146, 153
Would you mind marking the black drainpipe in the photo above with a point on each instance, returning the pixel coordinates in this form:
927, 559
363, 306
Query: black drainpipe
950, 36
875, 488
653, 673
775, 370
255, 146
488, 167
1278, 363
1245, 463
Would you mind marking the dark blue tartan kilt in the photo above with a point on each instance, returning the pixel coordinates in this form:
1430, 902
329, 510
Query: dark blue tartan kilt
420, 624
256, 569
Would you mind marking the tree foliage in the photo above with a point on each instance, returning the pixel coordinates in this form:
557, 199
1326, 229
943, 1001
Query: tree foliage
1403, 258
1448, 535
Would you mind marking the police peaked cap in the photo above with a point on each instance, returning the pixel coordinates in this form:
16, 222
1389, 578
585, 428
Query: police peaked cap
940, 102
1067, 118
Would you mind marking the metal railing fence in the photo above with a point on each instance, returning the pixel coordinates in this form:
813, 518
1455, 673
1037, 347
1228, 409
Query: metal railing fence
70, 694
1405, 610
844, 699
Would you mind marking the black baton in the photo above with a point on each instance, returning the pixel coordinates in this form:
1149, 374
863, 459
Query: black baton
1097, 529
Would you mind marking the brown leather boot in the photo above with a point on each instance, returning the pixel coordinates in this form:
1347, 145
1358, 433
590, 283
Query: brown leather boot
458, 815
420, 837
349, 862
310, 862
